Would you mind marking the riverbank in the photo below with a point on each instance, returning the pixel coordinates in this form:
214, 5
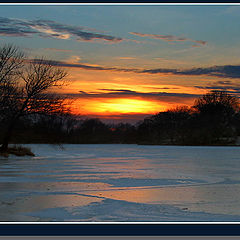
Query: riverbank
17, 151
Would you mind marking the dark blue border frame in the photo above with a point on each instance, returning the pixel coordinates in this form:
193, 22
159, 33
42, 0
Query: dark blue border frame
123, 229
119, 229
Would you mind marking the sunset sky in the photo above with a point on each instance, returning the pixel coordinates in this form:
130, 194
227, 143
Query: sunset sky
127, 62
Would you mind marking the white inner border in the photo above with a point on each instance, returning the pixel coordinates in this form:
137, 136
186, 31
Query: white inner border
120, 4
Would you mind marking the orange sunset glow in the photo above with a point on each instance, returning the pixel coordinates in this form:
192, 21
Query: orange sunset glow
115, 106
105, 93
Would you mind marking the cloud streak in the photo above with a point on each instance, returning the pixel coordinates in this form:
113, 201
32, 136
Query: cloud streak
50, 29
226, 86
125, 93
225, 71
169, 38
84, 66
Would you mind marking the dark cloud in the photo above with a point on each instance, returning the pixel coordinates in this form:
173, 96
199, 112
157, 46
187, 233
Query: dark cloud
85, 66
227, 71
46, 28
167, 88
212, 87
169, 38
162, 88
224, 82
226, 86
14, 27
123, 93
118, 90
82, 92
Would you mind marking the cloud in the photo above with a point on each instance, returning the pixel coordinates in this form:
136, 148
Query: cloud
169, 38
163, 88
225, 71
224, 82
125, 93
50, 29
84, 66
226, 86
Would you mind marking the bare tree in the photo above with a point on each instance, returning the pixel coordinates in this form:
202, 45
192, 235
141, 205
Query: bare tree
11, 61
30, 94
11, 64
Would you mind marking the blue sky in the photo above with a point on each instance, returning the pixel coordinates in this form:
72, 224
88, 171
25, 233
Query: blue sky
218, 25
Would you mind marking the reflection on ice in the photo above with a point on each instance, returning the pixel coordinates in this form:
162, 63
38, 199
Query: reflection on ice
123, 211
87, 183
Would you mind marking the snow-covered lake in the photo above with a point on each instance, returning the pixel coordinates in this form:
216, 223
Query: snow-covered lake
118, 183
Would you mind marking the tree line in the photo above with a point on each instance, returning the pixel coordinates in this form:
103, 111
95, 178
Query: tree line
214, 119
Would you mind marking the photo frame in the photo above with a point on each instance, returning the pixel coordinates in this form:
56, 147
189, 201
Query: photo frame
200, 228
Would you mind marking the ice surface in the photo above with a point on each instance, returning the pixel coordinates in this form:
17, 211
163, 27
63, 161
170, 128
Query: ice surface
121, 183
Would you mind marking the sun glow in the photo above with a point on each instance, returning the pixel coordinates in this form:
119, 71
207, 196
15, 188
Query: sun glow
116, 106
127, 106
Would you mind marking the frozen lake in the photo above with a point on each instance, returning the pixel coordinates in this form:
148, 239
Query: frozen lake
127, 183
